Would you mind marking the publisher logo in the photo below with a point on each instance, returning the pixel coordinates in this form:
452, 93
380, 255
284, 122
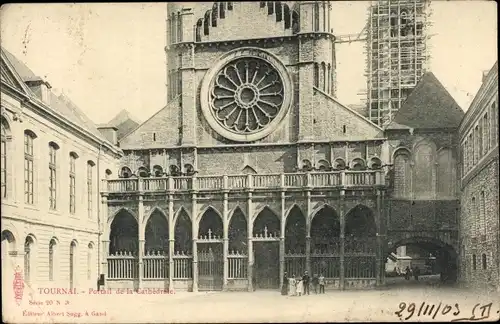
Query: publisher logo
18, 285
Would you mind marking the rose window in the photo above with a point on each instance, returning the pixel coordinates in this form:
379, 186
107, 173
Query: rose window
247, 95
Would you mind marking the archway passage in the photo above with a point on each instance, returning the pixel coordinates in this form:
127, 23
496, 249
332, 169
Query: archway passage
238, 246
432, 260
210, 255
325, 243
360, 243
295, 242
266, 253
124, 235
157, 236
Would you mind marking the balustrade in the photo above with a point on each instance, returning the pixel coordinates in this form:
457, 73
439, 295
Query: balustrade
155, 265
260, 181
237, 265
183, 265
123, 265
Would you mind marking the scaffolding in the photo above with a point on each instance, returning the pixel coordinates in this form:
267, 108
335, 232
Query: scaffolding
397, 54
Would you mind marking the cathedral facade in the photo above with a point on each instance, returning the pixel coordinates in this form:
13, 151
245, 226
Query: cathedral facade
254, 168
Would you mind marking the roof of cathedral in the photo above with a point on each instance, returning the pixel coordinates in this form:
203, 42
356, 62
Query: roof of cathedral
60, 104
429, 105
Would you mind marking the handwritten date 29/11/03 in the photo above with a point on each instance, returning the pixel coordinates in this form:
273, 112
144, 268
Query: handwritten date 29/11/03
479, 311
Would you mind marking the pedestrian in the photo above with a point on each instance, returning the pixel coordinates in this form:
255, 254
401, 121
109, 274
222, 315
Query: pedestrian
291, 286
321, 282
416, 273
407, 273
284, 285
306, 280
315, 283
300, 286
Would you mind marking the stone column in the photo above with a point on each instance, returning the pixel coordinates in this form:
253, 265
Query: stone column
250, 243
282, 239
171, 240
225, 224
308, 233
141, 239
342, 239
194, 235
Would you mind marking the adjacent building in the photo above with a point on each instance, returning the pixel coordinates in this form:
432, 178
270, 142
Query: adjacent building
479, 223
52, 160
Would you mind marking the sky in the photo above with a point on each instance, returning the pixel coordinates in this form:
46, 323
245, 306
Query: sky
108, 57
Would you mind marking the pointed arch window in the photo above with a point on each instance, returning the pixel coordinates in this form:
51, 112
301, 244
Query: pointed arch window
214, 15
222, 10
316, 75
206, 22
316, 16
402, 174
279, 11
482, 205
423, 186
286, 15
270, 7
29, 138
295, 22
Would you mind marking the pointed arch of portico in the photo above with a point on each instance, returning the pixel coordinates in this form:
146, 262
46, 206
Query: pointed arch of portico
178, 212
233, 211
123, 209
401, 150
266, 217
208, 208
360, 221
153, 210
261, 209
289, 210
295, 230
156, 230
238, 230
318, 208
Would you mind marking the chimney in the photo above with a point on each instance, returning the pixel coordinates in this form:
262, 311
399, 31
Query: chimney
42, 89
485, 74
109, 132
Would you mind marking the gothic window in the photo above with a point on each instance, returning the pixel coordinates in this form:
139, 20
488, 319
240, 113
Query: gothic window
483, 261
316, 75
474, 216
72, 182
357, 165
324, 76
214, 15
482, 206
295, 22
29, 138
279, 11
287, 17
306, 165
262, 4
222, 10
486, 133
474, 266
446, 174
53, 147
323, 165
4, 155
339, 164
90, 187
179, 27
316, 16
270, 7
206, 23
229, 6
423, 186
174, 170
329, 78
375, 163
189, 170
402, 174
199, 26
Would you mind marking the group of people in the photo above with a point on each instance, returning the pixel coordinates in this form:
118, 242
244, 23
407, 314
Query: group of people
298, 286
409, 272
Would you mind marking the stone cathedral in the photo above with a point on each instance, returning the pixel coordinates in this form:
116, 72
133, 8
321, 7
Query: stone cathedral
254, 168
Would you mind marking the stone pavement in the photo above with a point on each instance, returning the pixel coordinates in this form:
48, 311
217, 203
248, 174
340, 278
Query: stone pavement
265, 306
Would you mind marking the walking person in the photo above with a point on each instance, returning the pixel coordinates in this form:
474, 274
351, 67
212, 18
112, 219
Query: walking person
284, 285
416, 273
291, 286
321, 282
306, 280
300, 286
407, 273
315, 283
